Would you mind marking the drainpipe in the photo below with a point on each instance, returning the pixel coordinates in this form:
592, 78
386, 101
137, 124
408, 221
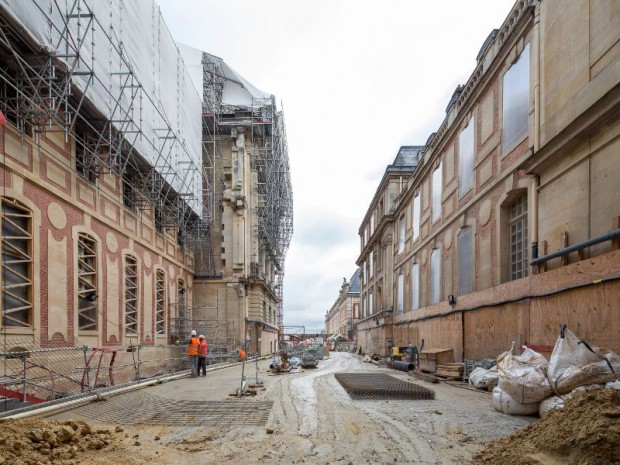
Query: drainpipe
535, 180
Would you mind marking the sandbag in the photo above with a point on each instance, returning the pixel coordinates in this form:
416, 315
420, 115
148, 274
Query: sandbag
481, 378
503, 402
575, 363
524, 377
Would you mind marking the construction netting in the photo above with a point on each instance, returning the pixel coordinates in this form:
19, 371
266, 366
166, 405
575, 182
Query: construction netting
31, 374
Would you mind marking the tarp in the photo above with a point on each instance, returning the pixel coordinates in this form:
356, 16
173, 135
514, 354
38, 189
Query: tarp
128, 36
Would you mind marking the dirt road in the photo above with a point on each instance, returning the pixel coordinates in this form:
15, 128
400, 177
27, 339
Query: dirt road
298, 418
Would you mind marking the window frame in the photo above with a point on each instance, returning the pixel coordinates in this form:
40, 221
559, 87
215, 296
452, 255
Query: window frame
467, 156
402, 229
415, 216
515, 105
87, 266
436, 193
465, 244
518, 268
24, 258
415, 286
131, 295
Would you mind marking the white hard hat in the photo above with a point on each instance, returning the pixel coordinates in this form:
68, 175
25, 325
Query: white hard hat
193, 332
202, 336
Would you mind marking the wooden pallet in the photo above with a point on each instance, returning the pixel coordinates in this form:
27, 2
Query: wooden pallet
450, 370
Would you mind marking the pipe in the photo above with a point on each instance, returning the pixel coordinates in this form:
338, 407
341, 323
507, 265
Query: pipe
402, 366
608, 236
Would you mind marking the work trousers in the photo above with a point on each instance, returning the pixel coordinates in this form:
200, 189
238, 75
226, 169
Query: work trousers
202, 365
193, 364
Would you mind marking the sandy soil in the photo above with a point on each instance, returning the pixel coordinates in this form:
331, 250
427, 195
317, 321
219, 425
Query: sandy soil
313, 420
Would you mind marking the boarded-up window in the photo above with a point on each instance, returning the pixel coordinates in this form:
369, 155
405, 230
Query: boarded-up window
401, 234
87, 283
466, 158
131, 295
415, 286
515, 101
160, 302
16, 264
416, 216
401, 293
465, 261
437, 188
435, 276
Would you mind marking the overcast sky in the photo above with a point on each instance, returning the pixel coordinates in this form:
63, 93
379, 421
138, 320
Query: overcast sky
357, 80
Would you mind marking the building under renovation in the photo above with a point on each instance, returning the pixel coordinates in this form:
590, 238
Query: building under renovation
240, 280
134, 206
508, 227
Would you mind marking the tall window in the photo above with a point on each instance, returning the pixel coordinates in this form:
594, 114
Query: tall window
515, 101
372, 224
372, 263
17, 265
131, 295
87, 283
401, 293
371, 302
160, 302
518, 238
416, 217
181, 300
436, 197
401, 234
466, 158
465, 261
435, 276
415, 286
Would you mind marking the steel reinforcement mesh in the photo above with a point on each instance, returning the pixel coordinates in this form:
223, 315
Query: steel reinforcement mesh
139, 407
381, 386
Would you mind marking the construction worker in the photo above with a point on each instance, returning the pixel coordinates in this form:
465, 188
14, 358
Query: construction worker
192, 352
242, 354
203, 350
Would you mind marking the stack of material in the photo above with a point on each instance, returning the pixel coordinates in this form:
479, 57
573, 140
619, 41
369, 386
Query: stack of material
430, 359
450, 370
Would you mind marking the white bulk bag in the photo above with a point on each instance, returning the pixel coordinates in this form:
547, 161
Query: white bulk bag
575, 363
503, 402
524, 377
481, 378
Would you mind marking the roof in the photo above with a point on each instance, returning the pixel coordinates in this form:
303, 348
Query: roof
354, 283
407, 158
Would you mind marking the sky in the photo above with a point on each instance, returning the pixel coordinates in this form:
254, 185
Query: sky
357, 79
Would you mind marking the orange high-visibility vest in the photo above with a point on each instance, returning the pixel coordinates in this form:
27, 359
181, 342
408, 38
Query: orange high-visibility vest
241, 354
193, 346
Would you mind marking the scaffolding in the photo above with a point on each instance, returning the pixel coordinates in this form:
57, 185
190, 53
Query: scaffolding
268, 155
69, 67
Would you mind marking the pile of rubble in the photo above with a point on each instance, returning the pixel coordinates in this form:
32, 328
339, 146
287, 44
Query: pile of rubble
36, 441
585, 432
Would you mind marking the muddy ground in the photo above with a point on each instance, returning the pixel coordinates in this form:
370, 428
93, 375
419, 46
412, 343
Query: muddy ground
312, 420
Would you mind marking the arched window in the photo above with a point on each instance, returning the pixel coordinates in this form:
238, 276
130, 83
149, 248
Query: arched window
87, 283
160, 302
131, 295
17, 266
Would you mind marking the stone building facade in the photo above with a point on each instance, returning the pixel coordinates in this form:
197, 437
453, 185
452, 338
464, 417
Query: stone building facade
345, 313
524, 166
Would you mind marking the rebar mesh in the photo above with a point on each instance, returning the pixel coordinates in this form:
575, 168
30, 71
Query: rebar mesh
381, 386
139, 407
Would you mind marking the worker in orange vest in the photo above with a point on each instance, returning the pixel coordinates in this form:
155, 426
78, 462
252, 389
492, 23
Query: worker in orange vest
242, 354
192, 352
203, 350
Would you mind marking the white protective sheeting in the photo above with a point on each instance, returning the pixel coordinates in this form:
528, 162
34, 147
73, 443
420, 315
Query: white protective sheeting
124, 36
237, 91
